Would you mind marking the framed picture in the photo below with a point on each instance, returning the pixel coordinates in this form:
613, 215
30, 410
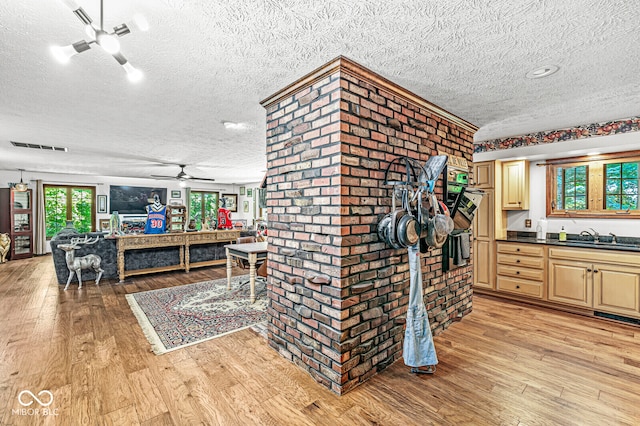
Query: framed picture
102, 204
229, 201
249, 192
104, 225
245, 206
176, 193
242, 190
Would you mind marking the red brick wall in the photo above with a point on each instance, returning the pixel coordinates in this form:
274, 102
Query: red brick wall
336, 292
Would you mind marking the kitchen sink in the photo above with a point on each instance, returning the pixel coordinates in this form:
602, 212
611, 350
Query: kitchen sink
601, 244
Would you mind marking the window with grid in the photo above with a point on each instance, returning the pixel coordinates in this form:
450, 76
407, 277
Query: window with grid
571, 191
621, 186
603, 186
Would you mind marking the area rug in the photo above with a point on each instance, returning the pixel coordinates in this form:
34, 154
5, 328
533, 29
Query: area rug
176, 317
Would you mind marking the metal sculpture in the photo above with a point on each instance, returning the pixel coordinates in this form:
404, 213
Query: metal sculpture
5, 245
77, 264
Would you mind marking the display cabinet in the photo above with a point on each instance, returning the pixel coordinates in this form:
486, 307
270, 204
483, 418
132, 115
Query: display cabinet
176, 218
16, 219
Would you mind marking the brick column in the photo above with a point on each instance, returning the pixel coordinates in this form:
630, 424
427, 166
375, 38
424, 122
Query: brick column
336, 292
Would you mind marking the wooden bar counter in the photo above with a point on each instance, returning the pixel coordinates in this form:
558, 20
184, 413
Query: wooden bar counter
185, 242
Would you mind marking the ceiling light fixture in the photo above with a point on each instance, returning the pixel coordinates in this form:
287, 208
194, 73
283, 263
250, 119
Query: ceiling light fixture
108, 41
21, 186
544, 71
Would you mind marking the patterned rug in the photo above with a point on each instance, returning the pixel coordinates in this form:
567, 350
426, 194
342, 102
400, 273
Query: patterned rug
175, 317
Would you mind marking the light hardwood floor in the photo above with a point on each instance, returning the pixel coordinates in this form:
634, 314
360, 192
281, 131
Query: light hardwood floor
505, 363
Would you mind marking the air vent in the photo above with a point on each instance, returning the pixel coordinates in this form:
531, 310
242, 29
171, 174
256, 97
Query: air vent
36, 146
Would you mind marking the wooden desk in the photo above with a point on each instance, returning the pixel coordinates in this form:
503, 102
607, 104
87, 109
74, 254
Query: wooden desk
182, 240
251, 252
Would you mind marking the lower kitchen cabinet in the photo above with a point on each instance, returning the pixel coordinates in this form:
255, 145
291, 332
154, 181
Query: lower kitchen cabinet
571, 282
616, 289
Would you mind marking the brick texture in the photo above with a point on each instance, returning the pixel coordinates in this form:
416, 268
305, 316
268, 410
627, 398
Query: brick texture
336, 292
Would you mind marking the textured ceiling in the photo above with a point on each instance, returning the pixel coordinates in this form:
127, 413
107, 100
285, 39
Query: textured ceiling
211, 61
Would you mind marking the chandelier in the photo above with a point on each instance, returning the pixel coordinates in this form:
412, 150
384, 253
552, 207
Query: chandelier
97, 35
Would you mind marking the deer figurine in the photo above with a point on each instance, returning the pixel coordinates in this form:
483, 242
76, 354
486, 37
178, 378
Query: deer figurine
77, 264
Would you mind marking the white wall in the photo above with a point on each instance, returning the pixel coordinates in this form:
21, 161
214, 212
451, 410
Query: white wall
537, 183
102, 183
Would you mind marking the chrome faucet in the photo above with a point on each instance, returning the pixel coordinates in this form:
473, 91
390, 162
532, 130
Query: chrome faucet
595, 235
614, 239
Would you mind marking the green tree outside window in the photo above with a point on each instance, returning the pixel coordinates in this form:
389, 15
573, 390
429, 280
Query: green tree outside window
203, 206
621, 183
571, 188
63, 203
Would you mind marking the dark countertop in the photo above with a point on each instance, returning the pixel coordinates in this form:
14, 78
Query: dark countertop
623, 244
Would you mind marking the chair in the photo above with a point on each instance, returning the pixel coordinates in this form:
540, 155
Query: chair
244, 240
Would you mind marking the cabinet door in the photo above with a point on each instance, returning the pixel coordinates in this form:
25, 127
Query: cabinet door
515, 185
616, 289
483, 264
483, 226
483, 176
571, 282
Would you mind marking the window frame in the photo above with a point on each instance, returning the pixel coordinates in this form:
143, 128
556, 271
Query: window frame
596, 185
198, 225
69, 203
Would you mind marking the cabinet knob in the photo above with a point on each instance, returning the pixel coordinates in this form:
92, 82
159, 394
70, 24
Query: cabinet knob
518, 261
588, 269
595, 270
517, 249
517, 272
517, 286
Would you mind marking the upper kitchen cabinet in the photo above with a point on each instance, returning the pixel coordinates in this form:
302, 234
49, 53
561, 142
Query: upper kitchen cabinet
483, 175
515, 185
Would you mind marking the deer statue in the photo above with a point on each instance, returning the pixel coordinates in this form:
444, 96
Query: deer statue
77, 264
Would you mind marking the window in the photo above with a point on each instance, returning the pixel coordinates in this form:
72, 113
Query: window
621, 184
63, 203
571, 191
204, 206
602, 186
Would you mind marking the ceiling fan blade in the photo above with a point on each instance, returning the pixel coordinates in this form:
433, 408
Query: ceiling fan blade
205, 179
163, 176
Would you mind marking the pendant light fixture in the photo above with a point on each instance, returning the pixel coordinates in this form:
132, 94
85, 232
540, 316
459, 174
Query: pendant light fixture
107, 41
21, 187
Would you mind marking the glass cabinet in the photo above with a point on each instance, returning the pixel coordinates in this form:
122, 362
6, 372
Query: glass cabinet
16, 219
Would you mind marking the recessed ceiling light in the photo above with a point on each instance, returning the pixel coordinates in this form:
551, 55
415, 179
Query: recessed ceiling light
235, 126
542, 71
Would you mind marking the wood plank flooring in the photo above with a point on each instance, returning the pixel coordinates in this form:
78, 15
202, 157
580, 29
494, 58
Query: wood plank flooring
506, 363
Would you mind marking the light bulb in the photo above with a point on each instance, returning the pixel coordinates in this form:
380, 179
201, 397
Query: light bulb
182, 184
63, 53
108, 42
140, 22
133, 73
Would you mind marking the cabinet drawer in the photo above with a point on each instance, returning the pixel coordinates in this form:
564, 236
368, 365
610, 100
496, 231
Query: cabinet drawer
519, 260
526, 249
519, 272
520, 286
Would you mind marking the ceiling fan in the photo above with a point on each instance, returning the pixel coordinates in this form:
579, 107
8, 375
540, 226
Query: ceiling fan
182, 176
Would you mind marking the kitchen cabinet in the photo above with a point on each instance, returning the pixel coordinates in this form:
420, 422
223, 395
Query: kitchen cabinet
16, 219
484, 175
616, 289
489, 224
571, 282
521, 269
603, 280
515, 185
